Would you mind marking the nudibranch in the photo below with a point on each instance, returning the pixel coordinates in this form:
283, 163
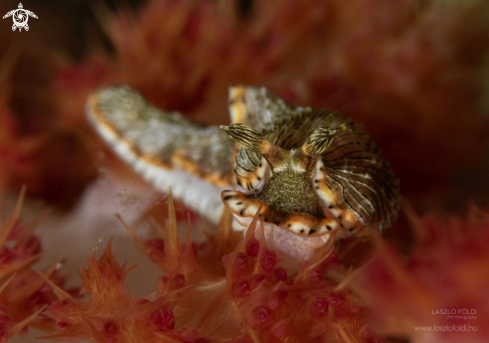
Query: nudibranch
315, 171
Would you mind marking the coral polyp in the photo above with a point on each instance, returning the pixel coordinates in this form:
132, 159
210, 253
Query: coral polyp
230, 288
24, 294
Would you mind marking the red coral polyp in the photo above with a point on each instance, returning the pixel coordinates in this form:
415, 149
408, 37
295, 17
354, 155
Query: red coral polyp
162, 319
252, 299
23, 292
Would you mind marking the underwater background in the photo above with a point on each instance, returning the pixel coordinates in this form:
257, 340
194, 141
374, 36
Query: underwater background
414, 72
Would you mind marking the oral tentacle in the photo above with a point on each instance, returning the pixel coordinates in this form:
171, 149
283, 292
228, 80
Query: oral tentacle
246, 205
239, 204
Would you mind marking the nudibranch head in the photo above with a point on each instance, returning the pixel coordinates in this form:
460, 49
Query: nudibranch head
314, 171
288, 192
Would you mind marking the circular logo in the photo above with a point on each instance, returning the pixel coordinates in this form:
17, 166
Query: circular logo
20, 17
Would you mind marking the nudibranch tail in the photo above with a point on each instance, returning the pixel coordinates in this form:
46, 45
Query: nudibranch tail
164, 148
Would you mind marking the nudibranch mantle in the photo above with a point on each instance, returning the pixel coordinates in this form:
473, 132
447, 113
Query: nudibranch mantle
315, 171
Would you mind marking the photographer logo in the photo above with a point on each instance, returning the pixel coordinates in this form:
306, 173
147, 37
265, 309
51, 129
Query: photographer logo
20, 17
